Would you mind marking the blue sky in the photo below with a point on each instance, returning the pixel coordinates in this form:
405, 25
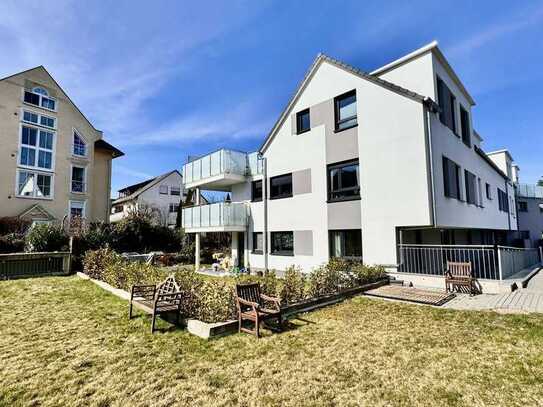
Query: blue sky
167, 79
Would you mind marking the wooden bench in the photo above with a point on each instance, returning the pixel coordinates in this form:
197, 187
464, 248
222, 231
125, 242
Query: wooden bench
157, 299
251, 305
459, 275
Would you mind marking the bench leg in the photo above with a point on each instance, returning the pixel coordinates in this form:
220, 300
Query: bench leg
153, 324
130, 312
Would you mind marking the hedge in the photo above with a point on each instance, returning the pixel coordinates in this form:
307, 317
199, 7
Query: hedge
212, 299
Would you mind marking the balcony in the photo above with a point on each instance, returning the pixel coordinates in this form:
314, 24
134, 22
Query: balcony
529, 191
217, 217
220, 170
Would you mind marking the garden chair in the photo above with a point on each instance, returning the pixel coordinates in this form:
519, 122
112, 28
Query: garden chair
157, 299
459, 275
251, 306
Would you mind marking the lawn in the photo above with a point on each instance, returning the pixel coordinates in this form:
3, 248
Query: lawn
64, 341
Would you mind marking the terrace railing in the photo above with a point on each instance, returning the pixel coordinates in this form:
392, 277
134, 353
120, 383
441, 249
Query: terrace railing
19, 265
222, 162
221, 214
488, 262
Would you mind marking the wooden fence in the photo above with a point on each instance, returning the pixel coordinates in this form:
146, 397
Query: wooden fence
20, 265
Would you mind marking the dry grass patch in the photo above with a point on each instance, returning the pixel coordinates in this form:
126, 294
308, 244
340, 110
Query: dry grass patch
66, 342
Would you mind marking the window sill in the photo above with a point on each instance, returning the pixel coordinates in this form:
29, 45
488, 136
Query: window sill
280, 197
41, 126
45, 171
78, 193
257, 252
336, 130
354, 198
35, 197
302, 132
288, 254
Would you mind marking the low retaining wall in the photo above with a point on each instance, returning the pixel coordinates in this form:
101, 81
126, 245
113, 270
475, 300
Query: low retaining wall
209, 330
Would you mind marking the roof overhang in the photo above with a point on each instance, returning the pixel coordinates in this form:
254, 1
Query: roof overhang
104, 145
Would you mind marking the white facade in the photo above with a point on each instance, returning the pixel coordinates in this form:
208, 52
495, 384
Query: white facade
162, 195
399, 142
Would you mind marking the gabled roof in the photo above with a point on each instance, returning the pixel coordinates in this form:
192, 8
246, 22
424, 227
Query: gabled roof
104, 145
41, 67
431, 47
136, 189
489, 161
37, 211
348, 68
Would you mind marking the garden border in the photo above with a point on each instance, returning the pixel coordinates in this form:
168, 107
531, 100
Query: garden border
210, 330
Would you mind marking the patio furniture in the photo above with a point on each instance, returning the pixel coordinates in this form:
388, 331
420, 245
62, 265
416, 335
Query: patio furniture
157, 299
459, 275
251, 305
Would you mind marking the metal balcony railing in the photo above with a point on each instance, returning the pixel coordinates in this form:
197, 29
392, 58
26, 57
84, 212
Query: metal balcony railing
529, 191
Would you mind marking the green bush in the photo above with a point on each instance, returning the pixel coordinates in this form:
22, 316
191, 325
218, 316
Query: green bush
368, 274
96, 261
46, 238
14, 225
214, 301
12, 243
293, 286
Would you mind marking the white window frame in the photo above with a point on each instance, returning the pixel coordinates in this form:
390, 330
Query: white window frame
83, 203
74, 132
40, 115
167, 189
41, 97
85, 184
36, 173
37, 148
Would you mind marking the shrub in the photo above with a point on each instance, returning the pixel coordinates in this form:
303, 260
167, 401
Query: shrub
46, 238
293, 287
215, 301
12, 243
96, 261
13, 225
368, 274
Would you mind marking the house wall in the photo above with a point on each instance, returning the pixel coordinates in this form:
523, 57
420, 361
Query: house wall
532, 220
68, 118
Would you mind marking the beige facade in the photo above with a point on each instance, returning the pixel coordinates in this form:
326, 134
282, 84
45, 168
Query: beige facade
43, 138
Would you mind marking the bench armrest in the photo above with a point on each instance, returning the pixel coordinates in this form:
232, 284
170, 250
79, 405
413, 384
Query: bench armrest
276, 301
249, 303
144, 291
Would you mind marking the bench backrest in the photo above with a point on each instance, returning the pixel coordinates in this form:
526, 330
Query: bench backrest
168, 286
459, 269
248, 292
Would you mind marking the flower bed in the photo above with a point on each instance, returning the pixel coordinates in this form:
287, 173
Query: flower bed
212, 299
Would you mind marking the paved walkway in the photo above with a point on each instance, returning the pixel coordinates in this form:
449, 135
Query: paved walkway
529, 299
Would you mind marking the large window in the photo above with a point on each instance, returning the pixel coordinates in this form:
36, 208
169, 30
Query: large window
281, 186
78, 179
503, 202
40, 97
34, 185
523, 206
36, 148
258, 242
79, 147
471, 187
302, 121
466, 130
343, 181
282, 243
256, 191
345, 110
451, 178
346, 243
39, 119
447, 105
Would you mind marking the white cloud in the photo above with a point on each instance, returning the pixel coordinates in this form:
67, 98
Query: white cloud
132, 173
493, 32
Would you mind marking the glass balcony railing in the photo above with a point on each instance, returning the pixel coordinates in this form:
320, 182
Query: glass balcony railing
529, 191
222, 215
222, 162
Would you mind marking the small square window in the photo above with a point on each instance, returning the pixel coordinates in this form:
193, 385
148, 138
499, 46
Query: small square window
281, 186
523, 206
163, 189
343, 181
174, 207
256, 191
302, 121
175, 191
282, 243
32, 98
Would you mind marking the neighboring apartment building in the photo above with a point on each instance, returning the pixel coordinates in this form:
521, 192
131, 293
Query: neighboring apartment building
358, 164
54, 163
161, 194
530, 214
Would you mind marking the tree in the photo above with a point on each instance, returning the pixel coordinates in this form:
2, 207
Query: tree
540, 182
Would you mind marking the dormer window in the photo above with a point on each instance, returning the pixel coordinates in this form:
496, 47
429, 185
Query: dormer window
40, 97
79, 147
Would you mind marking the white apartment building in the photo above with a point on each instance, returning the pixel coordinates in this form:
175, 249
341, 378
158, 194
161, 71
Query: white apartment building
530, 214
161, 194
359, 165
